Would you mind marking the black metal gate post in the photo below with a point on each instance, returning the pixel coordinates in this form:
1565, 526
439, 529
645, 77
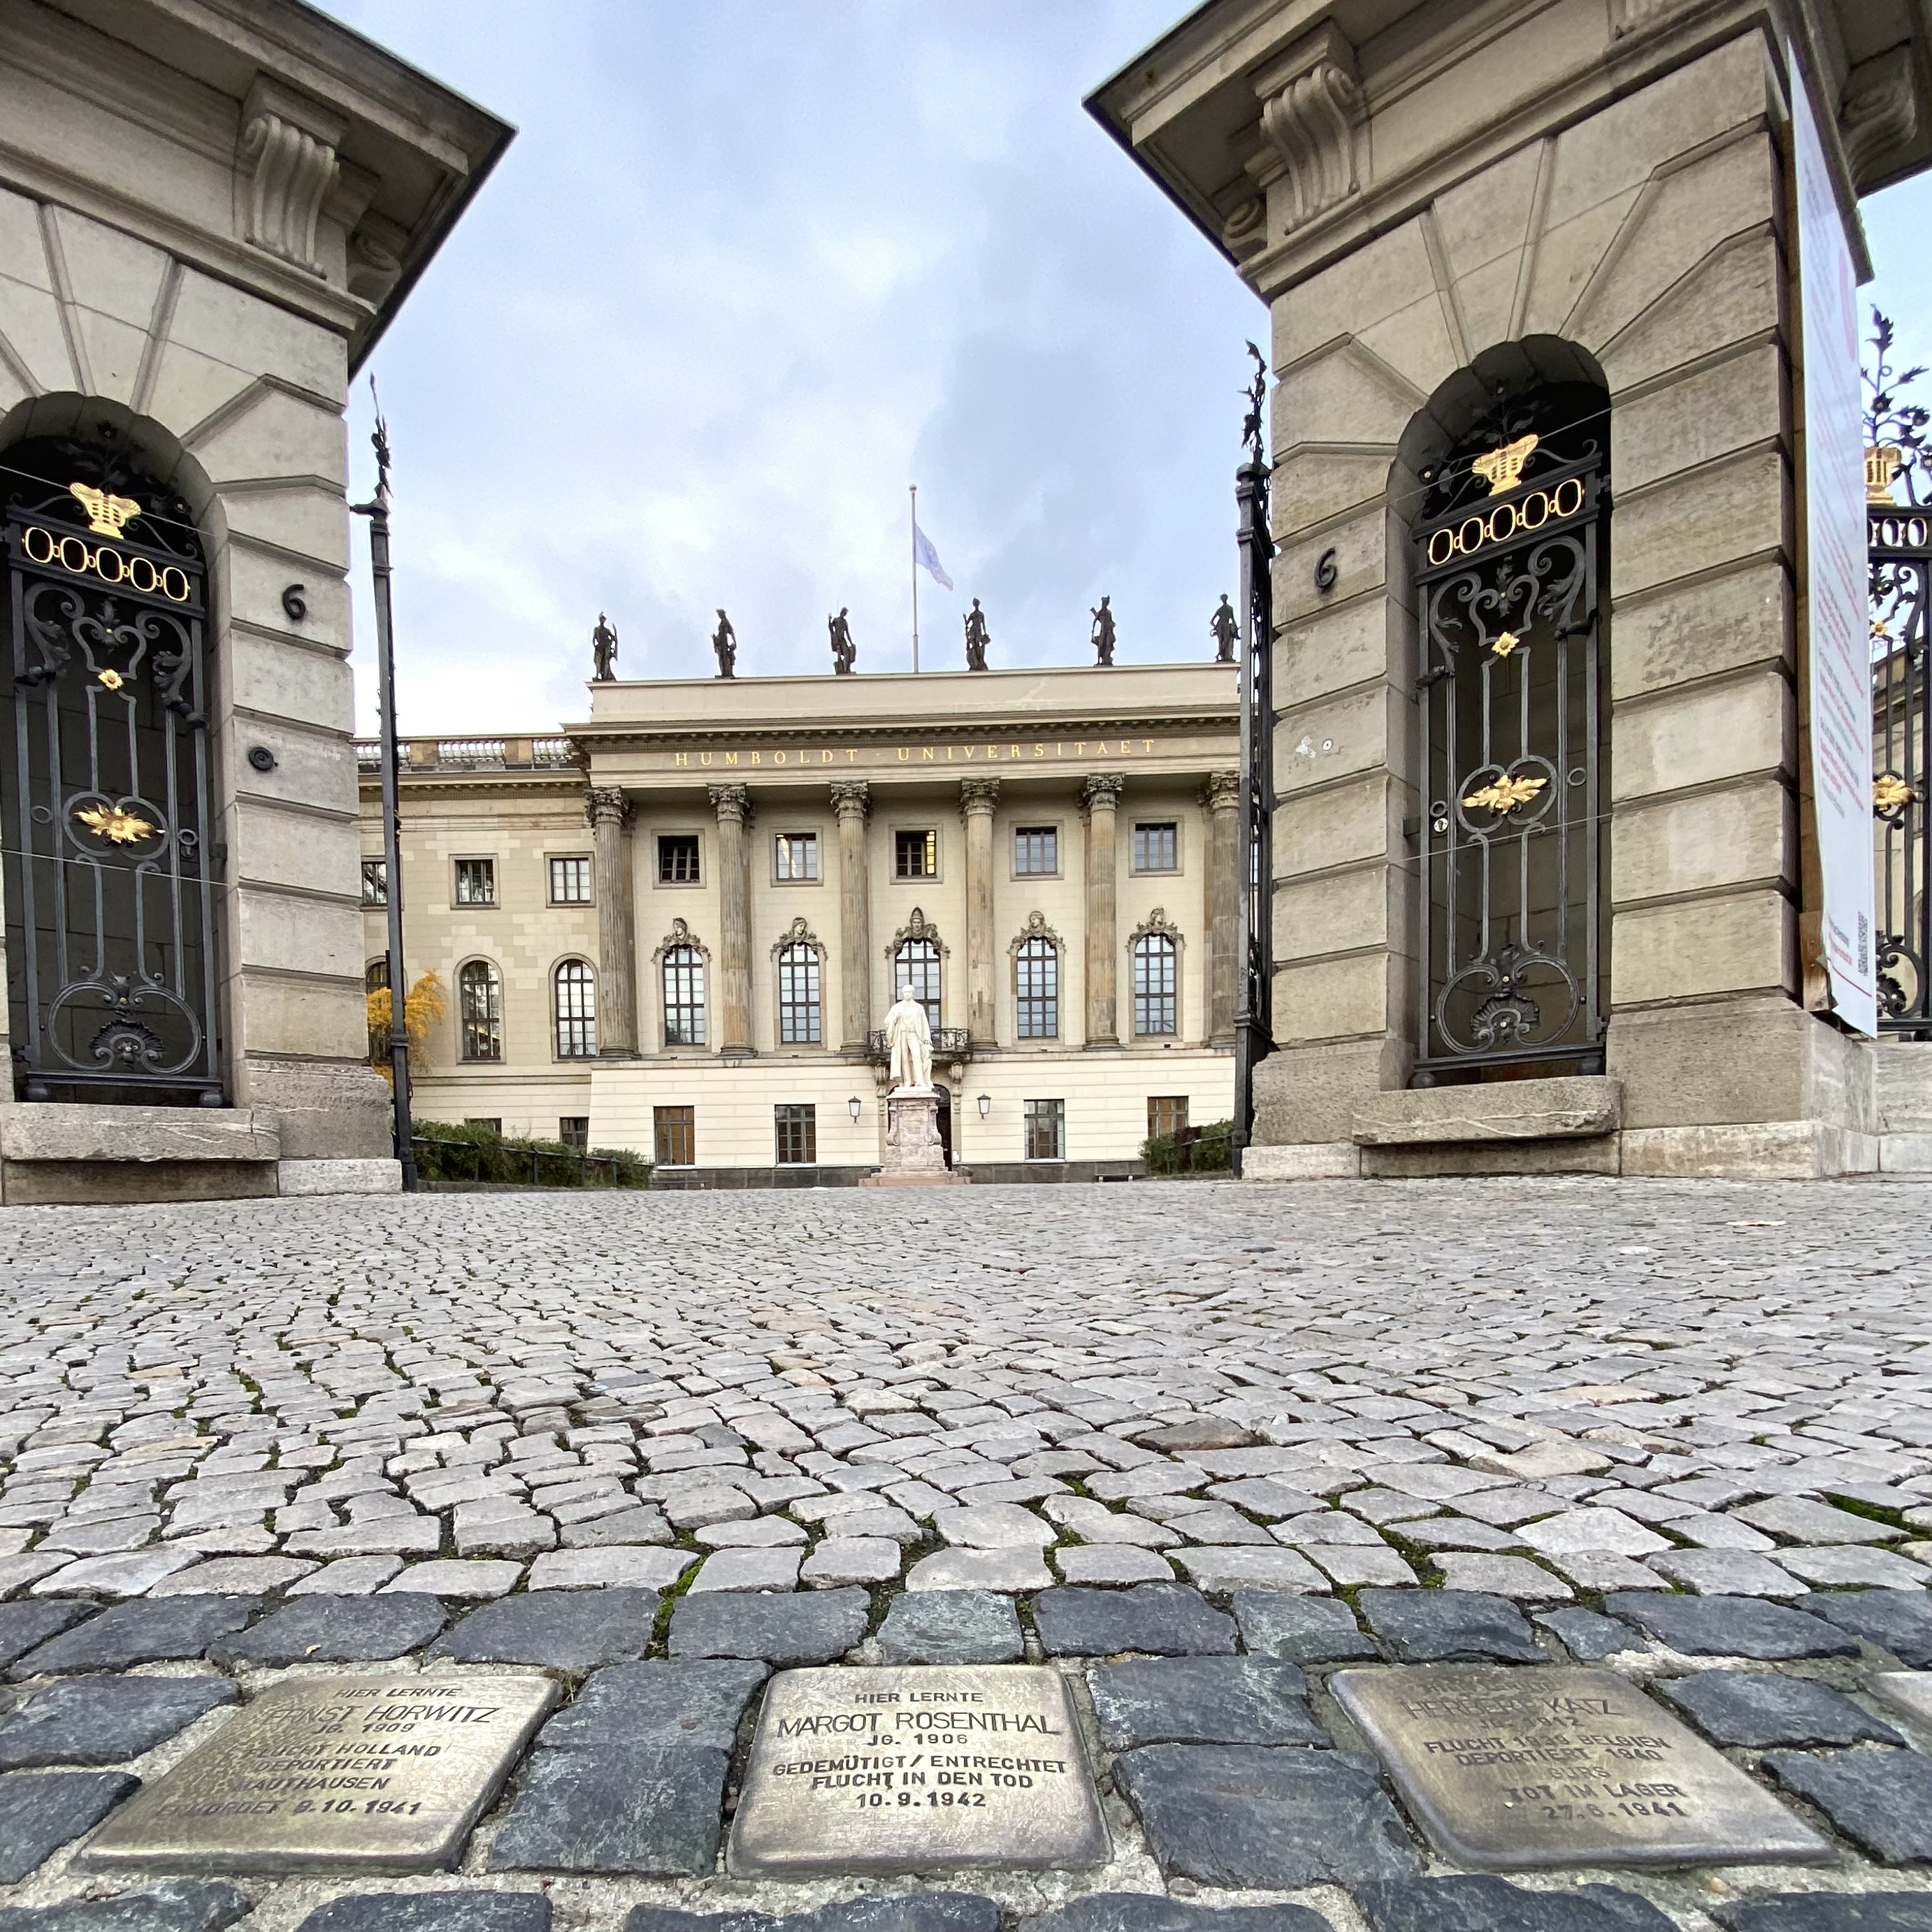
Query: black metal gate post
1900, 537
1254, 936
377, 511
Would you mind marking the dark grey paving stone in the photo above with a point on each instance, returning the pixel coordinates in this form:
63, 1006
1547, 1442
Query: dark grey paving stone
1831, 1912
641, 1808
1472, 1904
1899, 1620
24, 1625
335, 1630
166, 1630
1729, 1626
1587, 1636
1203, 1700
1880, 1799
433, 1912
177, 1905
1146, 1912
1304, 1630
811, 1626
1758, 1708
1449, 1626
908, 1911
1238, 1815
41, 1810
567, 1630
951, 1627
105, 1719
684, 1703
1163, 1619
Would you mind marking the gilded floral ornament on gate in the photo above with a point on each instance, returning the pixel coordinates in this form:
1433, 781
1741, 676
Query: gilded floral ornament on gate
117, 825
1890, 791
1506, 643
1502, 469
105, 515
112, 679
1504, 794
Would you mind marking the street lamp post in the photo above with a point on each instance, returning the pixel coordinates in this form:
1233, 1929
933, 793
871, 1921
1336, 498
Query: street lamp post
377, 511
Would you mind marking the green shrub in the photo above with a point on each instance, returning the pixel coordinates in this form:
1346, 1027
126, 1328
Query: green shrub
1209, 1150
467, 1150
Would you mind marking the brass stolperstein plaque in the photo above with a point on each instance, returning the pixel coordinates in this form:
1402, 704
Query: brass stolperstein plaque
1517, 1770
906, 1770
368, 1773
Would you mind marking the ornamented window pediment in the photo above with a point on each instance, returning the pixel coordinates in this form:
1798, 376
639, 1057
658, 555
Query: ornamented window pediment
1037, 927
680, 934
1158, 922
799, 933
917, 926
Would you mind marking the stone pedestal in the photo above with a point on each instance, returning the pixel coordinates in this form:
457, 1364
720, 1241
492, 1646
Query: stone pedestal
915, 1156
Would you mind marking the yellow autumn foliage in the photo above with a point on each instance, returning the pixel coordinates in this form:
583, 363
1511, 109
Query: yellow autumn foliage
425, 1005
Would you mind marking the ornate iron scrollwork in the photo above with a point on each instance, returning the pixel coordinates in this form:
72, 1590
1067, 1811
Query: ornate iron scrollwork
105, 791
1509, 560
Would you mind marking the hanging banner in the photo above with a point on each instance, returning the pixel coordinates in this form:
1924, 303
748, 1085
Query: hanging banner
1839, 620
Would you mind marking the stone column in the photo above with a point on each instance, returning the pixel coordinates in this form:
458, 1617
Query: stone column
1222, 798
732, 804
607, 810
1102, 796
977, 798
851, 798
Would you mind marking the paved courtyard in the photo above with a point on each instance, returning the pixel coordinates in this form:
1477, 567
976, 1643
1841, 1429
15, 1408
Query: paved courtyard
1685, 1428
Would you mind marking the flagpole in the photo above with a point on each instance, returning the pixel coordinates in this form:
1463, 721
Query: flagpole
914, 488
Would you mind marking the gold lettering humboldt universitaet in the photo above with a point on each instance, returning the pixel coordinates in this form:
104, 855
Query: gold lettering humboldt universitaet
1005, 752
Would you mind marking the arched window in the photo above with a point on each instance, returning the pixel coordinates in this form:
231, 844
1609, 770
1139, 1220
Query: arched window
479, 1000
574, 1006
1154, 1001
683, 996
916, 963
798, 1020
1036, 989
376, 980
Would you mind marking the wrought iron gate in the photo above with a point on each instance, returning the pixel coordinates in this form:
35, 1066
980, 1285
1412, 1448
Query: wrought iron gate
1514, 935
1899, 539
104, 791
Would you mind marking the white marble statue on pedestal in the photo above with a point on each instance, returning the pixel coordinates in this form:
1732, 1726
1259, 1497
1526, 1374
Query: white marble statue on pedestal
909, 1044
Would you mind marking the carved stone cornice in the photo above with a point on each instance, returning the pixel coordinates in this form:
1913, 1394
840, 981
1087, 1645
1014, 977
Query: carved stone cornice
917, 927
851, 798
680, 934
731, 802
1877, 111
1222, 791
1101, 791
606, 805
979, 795
1036, 928
799, 933
286, 159
1311, 105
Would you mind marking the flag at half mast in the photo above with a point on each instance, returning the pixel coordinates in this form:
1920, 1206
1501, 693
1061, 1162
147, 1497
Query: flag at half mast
928, 558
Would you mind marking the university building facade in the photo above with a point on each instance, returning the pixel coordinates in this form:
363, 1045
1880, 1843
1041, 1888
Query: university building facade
676, 927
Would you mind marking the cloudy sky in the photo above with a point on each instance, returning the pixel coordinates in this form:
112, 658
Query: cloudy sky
750, 269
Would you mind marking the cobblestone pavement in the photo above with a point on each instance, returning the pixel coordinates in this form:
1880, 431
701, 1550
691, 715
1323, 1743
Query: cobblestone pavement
1686, 1429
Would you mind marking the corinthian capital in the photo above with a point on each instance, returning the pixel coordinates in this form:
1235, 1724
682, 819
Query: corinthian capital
978, 795
1102, 792
851, 798
1222, 792
606, 805
1311, 106
731, 802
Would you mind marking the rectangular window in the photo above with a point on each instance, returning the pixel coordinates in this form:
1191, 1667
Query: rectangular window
376, 882
1167, 1115
916, 855
1037, 851
570, 882
1155, 847
798, 1017
574, 1130
1036, 989
684, 996
677, 859
674, 1136
1155, 965
1045, 1130
796, 856
476, 882
797, 1131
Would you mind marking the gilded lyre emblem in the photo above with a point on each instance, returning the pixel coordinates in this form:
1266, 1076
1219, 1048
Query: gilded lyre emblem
1881, 467
1889, 791
1504, 794
1506, 643
1502, 469
117, 825
105, 515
